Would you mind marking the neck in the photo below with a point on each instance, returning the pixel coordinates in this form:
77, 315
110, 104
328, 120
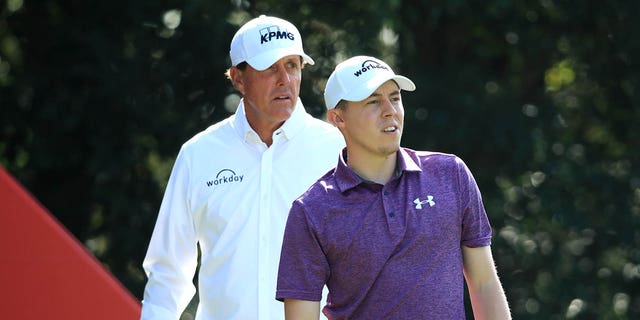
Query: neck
378, 169
262, 124
265, 130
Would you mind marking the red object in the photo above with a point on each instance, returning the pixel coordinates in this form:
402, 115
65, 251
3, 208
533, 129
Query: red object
45, 272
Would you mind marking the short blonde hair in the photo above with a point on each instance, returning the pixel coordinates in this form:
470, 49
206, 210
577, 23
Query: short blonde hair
242, 65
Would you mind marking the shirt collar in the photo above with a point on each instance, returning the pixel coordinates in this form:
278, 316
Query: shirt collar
347, 179
292, 126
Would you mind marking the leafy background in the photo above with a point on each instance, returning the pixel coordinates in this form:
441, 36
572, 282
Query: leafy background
540, 98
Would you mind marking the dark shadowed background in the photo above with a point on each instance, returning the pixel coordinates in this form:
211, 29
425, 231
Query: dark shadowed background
540, 98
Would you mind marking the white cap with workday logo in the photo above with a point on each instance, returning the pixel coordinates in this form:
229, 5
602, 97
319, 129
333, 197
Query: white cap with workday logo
358, 77
264, 40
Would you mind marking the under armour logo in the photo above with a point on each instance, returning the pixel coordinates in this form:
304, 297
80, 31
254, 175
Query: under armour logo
420, 203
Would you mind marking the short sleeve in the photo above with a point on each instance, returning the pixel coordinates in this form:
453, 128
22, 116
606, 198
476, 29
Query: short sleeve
303, 268
476, 229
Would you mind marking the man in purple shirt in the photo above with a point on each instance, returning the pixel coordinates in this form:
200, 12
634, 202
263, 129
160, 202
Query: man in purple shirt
392, 232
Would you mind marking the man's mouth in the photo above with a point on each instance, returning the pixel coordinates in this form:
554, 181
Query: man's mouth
390, 129
283, 97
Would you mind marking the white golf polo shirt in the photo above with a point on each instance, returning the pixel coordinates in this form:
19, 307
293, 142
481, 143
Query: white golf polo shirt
231, 193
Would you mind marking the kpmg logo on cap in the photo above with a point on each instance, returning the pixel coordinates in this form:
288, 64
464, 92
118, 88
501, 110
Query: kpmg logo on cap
369, 65
268, 33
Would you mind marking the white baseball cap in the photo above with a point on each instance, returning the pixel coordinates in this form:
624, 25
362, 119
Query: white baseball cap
358, 77
264, 40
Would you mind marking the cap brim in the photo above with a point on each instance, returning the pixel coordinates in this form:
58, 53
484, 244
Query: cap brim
265, 60
364, 91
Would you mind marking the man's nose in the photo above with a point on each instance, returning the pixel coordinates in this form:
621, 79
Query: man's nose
283, 76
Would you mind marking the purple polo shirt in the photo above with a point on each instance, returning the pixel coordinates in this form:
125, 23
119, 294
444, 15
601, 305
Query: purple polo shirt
385, 251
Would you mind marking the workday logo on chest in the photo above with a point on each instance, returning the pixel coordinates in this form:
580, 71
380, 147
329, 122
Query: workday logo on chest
225, 176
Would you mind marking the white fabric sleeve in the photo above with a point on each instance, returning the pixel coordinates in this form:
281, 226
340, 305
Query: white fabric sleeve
171, 258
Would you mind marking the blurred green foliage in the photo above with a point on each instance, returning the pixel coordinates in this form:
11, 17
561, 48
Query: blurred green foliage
540, 98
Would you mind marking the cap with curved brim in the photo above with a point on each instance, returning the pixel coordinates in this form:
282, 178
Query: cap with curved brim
358, 77
264, 40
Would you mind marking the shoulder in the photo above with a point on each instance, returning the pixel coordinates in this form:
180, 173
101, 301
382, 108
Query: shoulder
432, 158
318, 201
320, 191
318, 123
218, 133
323, 136
439, 163
317, 126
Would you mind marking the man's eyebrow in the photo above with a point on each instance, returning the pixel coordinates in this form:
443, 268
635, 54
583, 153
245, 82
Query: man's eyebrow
376, 94
292, 60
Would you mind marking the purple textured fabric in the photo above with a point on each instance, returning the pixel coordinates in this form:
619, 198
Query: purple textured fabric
385, 252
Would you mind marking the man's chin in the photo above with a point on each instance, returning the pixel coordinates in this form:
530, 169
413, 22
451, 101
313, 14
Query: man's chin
390, 150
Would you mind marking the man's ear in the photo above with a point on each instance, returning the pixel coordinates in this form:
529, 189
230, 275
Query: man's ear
237, 80
334, 116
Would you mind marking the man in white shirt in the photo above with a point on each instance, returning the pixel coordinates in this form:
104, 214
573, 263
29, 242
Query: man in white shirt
232, 185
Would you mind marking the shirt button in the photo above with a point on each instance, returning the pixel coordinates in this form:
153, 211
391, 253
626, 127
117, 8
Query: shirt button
386, 193
392, 214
